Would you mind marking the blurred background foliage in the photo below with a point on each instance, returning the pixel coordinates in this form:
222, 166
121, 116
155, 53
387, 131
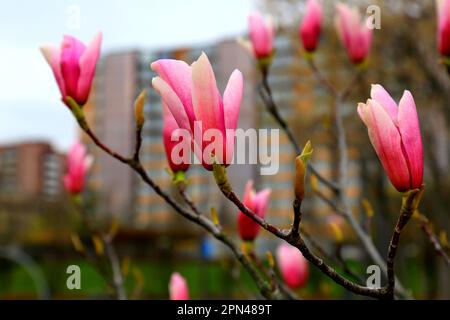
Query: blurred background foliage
35, 234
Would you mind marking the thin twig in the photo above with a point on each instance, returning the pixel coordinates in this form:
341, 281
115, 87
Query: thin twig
188, 200
433, 239
321, 78
115, 268
409, 204
332, 204
117, 279
138, 145
297, 219
338, 260
267, 97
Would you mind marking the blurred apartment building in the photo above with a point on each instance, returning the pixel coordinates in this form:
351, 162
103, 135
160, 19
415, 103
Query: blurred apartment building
33, 209
122, 75
30, 170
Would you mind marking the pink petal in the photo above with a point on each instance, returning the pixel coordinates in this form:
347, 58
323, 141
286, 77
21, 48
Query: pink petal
261, 34
248, 229
169, 128
310, 27
353, 32
248, 193
366, 33
88, 161
172, 101
386, 141
78, 164
68, 185
207, 102
362, 112
380, 95
343, 18
76, 154
88, 62
232, 98
443, 13
71, 51
178, 75
178, 288
293, 266
443, 30
408, 124
261, 201
53, 57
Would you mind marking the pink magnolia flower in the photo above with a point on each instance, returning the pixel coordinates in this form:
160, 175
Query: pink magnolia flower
395, 135
261, 35
73, 66
178, 288
78, 164
170, 128
443, 31
293, 266
258, 203
354, 33
311, 25
191, 95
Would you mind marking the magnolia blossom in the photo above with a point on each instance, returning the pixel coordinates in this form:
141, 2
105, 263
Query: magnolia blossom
170, 129
73, 66
261, 35
293, 266
354, 33
78, 164
443, 30
258, 202
191, 95
309, 29
395, 135
178, 288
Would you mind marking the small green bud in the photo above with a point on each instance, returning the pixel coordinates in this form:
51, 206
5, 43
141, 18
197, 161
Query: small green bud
301, 163
139, 108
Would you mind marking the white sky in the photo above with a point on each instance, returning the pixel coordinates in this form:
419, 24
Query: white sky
30, 107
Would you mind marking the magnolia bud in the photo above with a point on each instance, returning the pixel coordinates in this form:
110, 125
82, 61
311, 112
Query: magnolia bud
368, 208
270, 259
139, 109
301, 163
215, 216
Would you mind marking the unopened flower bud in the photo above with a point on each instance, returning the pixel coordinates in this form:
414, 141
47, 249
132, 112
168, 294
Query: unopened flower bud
301, 163
270, 259
139, 109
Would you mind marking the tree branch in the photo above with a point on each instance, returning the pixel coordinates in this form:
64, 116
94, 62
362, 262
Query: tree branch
410, 202
433, 239
115, 267
116, 280
267, 97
